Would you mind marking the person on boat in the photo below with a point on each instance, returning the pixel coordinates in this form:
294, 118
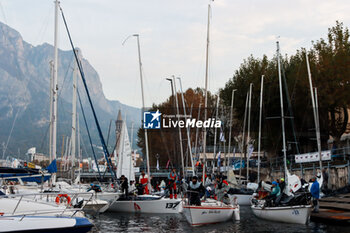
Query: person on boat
315, 193
162, 187
172, 177
124, 185
275, 192
144, 182
221, 188
132, 187
95, 187
195, 189
282, 184
209, 185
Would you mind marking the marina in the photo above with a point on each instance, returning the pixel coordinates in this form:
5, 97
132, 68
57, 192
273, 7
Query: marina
262, 146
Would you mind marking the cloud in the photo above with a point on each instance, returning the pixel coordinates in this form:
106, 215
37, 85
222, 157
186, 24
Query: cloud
173, 36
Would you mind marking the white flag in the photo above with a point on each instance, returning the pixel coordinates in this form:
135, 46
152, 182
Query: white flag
222, 136
250, 150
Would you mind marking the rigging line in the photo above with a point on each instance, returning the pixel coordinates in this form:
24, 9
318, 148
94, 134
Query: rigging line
9, 137
87, 129
65, 77
82, 75
290, 109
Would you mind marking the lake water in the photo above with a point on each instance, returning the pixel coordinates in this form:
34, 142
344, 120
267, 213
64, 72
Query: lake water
117, 222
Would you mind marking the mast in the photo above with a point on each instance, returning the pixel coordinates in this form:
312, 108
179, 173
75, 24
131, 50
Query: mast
51, 110
206, 94
196, 142
282, 112
180, 135
315, 111
188, 129
260, 116
143, 106
248, 137
131, 156
74, 116
78, 144
55, 91
230, 132
243, 137
215, 130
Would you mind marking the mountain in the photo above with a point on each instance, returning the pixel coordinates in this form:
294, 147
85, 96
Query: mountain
24, 98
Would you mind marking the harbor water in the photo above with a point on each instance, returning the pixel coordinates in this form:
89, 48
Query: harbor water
122, 222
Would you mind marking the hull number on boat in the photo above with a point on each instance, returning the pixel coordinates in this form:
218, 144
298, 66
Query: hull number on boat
172, 205
295, 212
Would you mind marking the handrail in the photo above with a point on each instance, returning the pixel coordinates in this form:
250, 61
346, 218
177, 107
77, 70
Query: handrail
68, 208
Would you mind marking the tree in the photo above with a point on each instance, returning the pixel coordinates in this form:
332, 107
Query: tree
165, 142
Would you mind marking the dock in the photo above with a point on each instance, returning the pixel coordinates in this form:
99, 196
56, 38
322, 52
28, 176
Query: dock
334, 210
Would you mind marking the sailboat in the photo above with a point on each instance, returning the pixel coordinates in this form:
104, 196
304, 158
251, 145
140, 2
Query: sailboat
299, 214
211, 211
20, 214
147, 203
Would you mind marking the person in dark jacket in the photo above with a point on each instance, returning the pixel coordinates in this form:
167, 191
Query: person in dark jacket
282, 184
315, 193
195, 189
124, 185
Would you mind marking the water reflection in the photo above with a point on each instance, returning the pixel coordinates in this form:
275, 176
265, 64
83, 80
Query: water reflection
121, 222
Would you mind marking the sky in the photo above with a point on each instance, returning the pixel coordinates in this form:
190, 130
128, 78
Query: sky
173, 37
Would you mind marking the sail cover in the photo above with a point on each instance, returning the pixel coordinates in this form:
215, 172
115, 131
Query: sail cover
125, 164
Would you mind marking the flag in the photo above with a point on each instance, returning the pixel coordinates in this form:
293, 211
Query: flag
52, 168
222, 136
157, 164
219, 158
234, 154
250, 150
167, 164
31, 151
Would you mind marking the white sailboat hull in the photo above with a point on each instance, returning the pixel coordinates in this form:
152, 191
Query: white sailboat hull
159, 206
209, 213
242, 199
288, 214
43, 224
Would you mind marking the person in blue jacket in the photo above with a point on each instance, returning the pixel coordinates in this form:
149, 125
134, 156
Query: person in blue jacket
315, 193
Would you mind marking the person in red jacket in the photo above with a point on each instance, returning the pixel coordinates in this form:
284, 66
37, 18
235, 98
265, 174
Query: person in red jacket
172, 183
143, 180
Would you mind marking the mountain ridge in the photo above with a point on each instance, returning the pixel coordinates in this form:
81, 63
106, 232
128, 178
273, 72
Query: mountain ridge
24, 96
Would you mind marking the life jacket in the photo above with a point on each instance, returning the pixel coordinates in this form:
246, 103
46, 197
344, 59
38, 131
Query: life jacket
144, 179
172, 176
195, 186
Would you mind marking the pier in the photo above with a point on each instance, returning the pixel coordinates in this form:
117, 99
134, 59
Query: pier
334, 210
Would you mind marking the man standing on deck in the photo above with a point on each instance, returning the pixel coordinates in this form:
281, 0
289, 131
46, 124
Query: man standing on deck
195, 190
143, 180
315, 193
124, 185
172, 183
221, 188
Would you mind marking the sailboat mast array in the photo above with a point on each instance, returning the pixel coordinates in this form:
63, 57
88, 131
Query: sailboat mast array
188, 129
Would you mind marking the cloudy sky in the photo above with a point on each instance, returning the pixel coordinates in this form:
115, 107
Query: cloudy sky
173, 36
